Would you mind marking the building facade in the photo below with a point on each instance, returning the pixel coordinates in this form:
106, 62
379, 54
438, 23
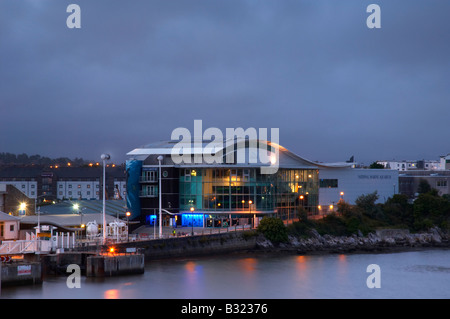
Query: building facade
9, 227
409, 182
348, 183
65, 183
421, 165
219, 194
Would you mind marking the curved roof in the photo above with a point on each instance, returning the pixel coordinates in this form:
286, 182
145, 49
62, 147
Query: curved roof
242, 152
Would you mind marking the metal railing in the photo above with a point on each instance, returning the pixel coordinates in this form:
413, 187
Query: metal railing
24, 246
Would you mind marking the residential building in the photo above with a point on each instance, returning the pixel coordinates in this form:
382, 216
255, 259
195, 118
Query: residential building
61, 183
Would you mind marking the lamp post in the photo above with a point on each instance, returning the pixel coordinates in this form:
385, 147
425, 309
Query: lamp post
128, 214
38, 212
79, 211
104, 158
250, 202
160, 158
192, 220
38, 230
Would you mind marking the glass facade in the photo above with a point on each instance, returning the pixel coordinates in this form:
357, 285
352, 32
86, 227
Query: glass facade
246, 190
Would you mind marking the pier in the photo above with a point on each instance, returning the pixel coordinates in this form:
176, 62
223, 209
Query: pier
20, 273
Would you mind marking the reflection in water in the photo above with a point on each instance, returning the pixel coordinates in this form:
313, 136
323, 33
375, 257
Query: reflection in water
419, 274
302, 266
190, 267
248, 265
111, 294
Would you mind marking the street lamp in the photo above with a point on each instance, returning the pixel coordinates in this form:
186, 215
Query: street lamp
76, 207
250, 202
104, 158
128, 214
160, 158
37, 211
192, 220
22, 208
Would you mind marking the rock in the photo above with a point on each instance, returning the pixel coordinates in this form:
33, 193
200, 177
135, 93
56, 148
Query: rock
435, 235
373, 239
264, 243
315, 234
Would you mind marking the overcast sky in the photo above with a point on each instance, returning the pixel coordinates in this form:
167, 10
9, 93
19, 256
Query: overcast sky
136, 70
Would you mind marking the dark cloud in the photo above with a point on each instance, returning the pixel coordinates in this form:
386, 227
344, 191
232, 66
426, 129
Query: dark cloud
137, 70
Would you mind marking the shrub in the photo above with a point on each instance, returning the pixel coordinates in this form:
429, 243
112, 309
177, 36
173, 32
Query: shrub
273, 229
300, 228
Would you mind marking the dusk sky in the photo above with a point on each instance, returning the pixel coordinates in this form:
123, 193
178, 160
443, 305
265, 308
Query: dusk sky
136, 70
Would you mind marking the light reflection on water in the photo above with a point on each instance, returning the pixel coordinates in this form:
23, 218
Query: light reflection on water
419, 274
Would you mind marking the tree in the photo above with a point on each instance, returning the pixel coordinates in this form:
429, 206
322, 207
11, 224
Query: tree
273, 229
424, 186
344, 208
376, 165
431, 209
398, 210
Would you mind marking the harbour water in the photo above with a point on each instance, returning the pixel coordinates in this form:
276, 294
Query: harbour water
412, 274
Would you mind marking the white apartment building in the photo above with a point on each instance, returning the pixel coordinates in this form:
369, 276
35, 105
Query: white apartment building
78, 190
29, 188
444, 162
429, 165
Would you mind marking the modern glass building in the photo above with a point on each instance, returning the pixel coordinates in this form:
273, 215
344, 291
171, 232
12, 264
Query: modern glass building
219, 194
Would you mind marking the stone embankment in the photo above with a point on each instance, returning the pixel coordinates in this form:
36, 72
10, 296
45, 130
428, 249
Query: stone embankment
385, 240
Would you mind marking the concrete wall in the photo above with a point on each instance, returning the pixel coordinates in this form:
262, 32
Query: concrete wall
21, 273
104, 266
193, 245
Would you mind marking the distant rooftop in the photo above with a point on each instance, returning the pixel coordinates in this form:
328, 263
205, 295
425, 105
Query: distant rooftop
112, 207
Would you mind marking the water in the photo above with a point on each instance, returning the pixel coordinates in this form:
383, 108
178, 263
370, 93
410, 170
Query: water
415, 274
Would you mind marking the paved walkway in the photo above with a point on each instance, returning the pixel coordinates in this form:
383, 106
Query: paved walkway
167, 231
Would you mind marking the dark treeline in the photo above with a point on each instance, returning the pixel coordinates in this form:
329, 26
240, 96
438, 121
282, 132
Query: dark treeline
24, 159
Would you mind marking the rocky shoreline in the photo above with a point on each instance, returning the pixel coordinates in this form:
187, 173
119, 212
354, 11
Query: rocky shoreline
385, 240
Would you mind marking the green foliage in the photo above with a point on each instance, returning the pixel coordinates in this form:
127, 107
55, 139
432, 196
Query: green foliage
424, 187
302, 213
366, 204
398, 211
332, 225
273, 229
300, 229
376, 165
428, 210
